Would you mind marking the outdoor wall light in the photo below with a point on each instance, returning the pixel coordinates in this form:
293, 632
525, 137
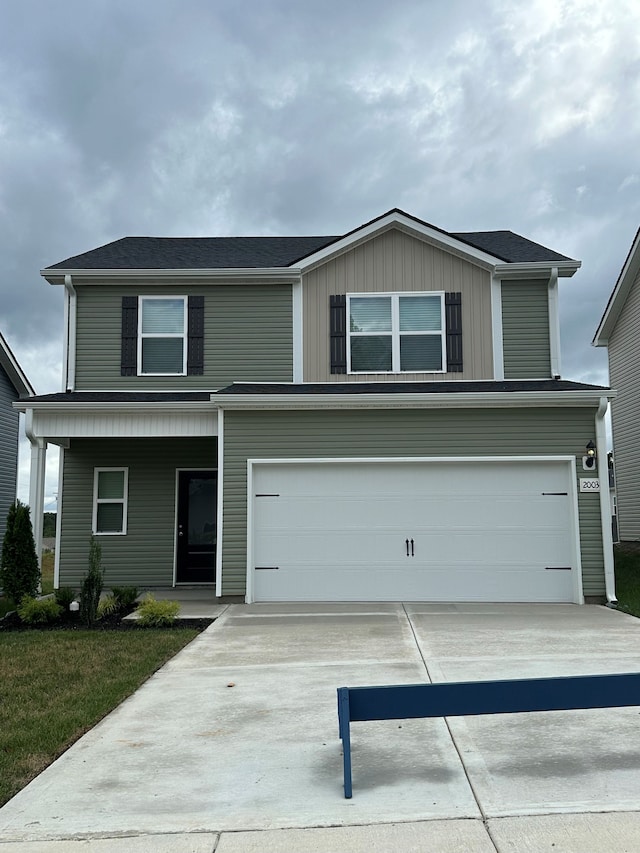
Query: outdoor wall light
589, 461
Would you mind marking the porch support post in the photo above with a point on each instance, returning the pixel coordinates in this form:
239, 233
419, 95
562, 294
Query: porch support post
605, 502
36, 483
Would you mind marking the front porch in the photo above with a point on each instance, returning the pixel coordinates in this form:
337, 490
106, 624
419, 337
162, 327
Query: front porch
195, 602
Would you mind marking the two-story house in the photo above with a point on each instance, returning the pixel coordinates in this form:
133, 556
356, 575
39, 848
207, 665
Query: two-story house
618, 332
372, 416
13, 385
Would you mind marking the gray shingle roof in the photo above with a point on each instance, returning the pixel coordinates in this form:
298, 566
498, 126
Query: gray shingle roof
337, 388
261, 252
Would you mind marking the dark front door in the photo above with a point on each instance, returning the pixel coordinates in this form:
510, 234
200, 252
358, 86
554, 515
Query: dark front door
197, 502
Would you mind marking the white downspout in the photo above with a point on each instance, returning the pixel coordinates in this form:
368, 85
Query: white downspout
605, 502
554, 323
70, 322
36, 482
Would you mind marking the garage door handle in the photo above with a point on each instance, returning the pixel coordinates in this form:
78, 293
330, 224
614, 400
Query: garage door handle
406, 542
412, 554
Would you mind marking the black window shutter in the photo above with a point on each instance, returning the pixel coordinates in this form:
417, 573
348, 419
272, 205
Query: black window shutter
129, 340
195, 336
338, 333
453, 314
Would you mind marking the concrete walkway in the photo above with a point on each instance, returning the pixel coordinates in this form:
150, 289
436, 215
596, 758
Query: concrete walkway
233, 745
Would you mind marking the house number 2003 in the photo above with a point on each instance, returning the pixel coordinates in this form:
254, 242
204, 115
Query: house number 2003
589, 484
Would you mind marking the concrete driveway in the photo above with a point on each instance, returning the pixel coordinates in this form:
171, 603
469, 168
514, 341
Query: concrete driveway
235, 740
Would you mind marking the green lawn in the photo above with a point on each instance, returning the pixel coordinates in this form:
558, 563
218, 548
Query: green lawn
55, 685
628, 579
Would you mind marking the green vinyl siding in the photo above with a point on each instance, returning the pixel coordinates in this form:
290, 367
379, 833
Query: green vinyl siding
144, 556
388, 433
525, 330
8, 448
247, 336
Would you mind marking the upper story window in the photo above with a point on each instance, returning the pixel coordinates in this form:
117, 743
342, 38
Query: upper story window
396, 333
162, 339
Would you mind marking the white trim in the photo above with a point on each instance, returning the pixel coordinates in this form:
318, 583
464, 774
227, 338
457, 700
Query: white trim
569, 461
395, 333
384, 223
298, 333
220, 507
164, 335
13, 370
250, 544
56, 424
71, 330
496, 328
474, 400
124, 500
605, 502
554, 324
65, 341
537, 269
619, 295
234, 275
116, 405
56, 556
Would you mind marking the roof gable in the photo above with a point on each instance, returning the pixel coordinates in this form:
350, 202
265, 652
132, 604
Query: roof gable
13, 370
619, 294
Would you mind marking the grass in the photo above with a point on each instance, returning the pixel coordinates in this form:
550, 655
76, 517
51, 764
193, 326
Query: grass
56, 685
627, 563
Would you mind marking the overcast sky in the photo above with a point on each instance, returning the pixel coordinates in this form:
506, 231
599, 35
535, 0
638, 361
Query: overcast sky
208, 117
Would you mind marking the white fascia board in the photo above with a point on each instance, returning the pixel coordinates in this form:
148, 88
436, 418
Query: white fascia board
507, 399
536, 269
13, 370
619, 295
408, 224
176, 405
236, 275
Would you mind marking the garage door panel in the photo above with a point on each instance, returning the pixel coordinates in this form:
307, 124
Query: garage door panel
480, 531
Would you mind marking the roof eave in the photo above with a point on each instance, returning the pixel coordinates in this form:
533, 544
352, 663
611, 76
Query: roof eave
619, 294
537, 269
270, 274
119, 405
13, 370
498, 399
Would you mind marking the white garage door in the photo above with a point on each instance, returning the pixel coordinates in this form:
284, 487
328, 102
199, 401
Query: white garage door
413, 531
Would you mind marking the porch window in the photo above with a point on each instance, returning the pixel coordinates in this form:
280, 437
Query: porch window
110, 486
396, 333
162, 336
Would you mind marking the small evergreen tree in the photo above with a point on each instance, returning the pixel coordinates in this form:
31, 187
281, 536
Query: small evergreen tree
91, 587
19, 571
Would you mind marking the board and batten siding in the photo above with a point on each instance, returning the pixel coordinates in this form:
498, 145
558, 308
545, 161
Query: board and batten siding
525, 330
145, 555
395, 262
624, 376
8, 448
389, 433
247, 336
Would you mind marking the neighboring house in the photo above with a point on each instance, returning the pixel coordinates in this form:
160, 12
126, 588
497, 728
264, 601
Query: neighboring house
374, 416
13, 385
619, 331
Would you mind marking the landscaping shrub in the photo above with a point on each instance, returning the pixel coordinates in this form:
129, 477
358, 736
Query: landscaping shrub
91, 587
64, 596
108, 606
39, 611
125, 596
157, 614
19, 572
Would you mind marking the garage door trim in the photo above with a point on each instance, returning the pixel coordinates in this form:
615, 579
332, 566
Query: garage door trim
569, 461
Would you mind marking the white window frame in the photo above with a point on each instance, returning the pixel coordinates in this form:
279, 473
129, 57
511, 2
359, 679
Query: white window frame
124, 500
183, 334
395, 330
